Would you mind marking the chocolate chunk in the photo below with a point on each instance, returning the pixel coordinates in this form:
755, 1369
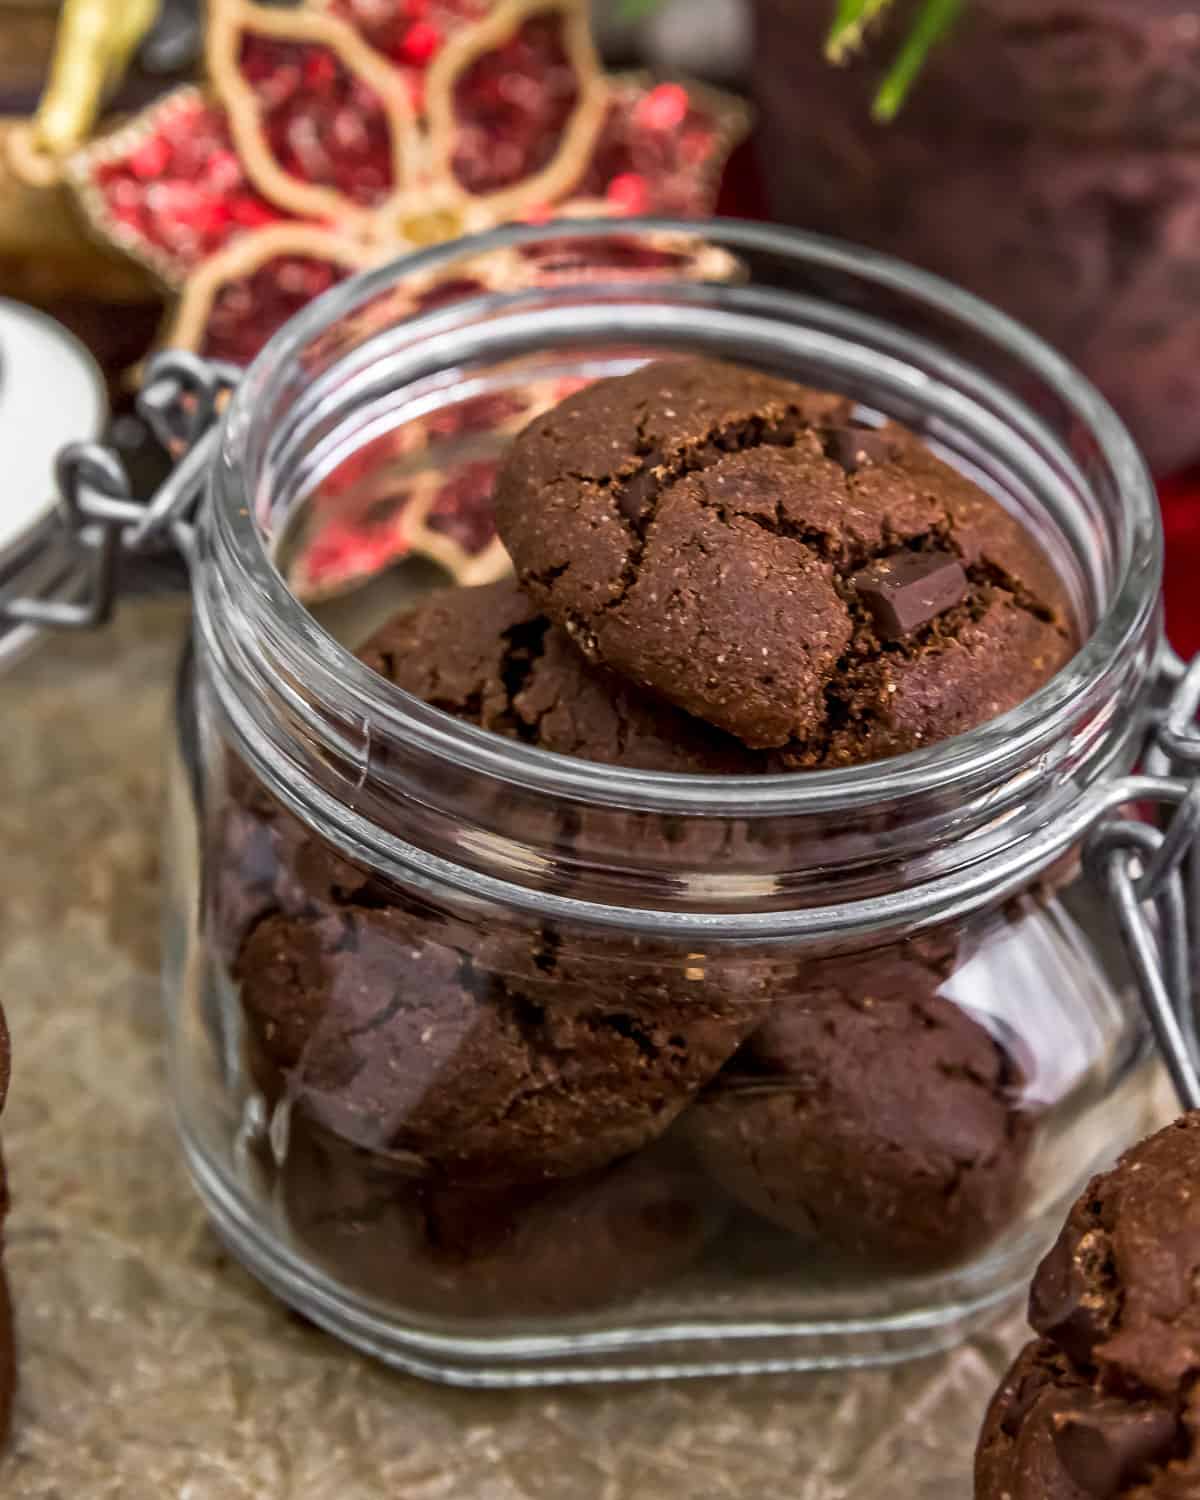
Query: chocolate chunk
1069, 1301
909, 589
852, 447
637, 490
1107, 1445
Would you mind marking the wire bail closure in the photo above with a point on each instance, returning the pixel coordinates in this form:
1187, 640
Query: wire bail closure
1152, 877
181, 400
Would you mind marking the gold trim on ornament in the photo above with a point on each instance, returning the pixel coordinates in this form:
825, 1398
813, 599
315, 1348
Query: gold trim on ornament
247, 254
571, 159
228, 23
30, 159
118, 146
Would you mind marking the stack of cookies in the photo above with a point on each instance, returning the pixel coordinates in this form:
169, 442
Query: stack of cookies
720, 573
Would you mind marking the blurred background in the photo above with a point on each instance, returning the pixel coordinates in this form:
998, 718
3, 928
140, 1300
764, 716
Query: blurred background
190, 174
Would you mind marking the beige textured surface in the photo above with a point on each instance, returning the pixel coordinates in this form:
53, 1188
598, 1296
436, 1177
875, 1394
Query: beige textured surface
151, 1367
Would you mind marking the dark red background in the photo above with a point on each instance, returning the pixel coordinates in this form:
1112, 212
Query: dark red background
742, 197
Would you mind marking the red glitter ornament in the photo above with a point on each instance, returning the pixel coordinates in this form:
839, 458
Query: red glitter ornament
339, 133
347, 131
663, 108
628, 192
421, 41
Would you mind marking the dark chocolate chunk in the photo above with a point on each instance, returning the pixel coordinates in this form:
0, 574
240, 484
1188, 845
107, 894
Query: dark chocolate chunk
852, 447
1107, 1444
1069, 1301
636, 490
909, 589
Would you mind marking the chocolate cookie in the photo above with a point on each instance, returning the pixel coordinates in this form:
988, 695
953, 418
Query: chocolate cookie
496, 1252
483, 1054
732, 542
264, 860
1120, 1290
1107, 1402
489, 656
496, 1057
1049, 1434
870, 1114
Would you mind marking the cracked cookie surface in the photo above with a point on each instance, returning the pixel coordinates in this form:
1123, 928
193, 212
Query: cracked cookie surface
505, 1056
489, 656
1106, 1403
697, 527
870, 1115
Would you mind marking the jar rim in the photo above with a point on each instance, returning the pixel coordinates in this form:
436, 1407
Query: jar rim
1010, 739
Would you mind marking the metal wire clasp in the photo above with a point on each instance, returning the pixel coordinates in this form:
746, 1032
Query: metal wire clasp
1152, 876
180, 399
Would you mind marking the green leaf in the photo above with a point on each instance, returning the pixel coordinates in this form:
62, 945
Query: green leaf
934, 20
630, 12
850, 21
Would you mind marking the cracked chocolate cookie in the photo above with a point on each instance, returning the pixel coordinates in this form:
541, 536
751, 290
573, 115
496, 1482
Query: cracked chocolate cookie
1051, 1435
503, 1252
871, 1115
743, 548
489, 656
503, 1058
1107, 1402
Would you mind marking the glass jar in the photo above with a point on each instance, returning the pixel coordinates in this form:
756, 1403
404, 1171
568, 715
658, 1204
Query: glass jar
508, 1067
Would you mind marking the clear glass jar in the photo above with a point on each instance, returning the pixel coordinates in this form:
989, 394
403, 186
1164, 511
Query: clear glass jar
508, 1067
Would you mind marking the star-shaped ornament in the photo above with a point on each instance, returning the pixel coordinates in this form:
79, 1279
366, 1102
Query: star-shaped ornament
336, 134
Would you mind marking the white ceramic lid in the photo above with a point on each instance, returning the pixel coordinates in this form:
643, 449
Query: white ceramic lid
51, 393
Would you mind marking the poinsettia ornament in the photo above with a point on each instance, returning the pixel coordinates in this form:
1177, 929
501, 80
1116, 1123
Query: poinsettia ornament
335, 134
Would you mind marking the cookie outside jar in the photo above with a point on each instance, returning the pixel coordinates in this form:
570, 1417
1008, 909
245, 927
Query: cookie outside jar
385, 921
38, 554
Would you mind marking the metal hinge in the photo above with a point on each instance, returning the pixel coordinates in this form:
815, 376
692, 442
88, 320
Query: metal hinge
1152, 877
180, 400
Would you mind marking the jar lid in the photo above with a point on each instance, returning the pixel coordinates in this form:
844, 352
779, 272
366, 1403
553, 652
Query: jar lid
52, 393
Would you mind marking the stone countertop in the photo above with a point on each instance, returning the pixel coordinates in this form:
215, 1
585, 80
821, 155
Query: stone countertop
152, 1366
